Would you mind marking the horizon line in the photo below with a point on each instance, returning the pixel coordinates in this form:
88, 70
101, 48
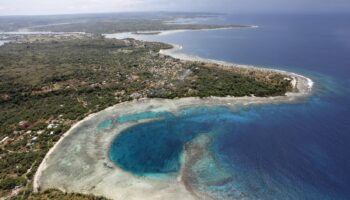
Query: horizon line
174, 12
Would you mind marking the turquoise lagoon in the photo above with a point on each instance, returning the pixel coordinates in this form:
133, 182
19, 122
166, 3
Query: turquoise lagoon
286, 151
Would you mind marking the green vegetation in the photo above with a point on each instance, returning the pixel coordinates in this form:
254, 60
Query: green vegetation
54, 194
47, 84
218, 82
10, 183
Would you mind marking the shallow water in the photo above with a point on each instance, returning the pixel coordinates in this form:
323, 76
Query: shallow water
143, 115
296, 151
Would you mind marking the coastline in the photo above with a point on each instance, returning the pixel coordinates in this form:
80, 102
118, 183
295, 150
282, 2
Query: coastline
93, 147
174, 52
168, 32
54, 172
123, 35
89, 160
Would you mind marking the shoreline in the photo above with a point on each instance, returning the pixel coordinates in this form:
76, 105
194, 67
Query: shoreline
174, 52
102, 174
169, 32
53, 171
97, 179
124, 35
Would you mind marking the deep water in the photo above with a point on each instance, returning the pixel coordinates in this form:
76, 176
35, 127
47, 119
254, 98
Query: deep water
288, 151
156, 147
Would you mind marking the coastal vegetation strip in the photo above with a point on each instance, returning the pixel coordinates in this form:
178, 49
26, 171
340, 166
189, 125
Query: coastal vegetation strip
48, 83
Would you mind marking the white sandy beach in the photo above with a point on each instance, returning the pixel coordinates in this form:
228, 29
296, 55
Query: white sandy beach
79, 161
139, 36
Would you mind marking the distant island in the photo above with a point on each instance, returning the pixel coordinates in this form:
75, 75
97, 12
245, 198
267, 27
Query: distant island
109, 23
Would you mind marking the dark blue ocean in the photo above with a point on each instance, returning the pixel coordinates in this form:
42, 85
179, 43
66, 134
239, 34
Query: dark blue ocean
286, 151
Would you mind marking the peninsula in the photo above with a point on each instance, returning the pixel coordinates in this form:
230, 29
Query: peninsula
51, 82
